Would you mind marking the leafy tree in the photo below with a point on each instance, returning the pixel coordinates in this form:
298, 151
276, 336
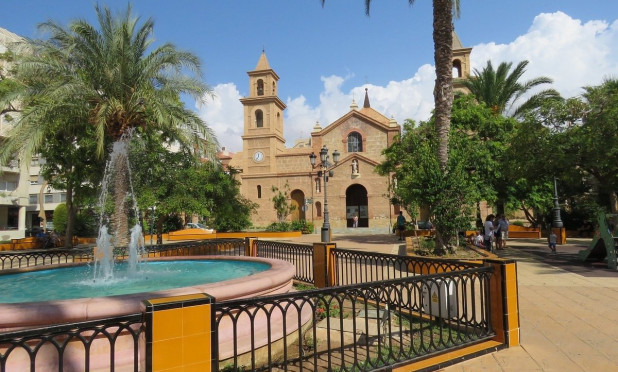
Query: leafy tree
107, 77
280, 202
499, 89
166, 182
171, 183
573, 140
234, 213
596, 140
448, 195
491, 133
71, 165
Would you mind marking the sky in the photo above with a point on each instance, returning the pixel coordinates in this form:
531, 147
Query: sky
327, 55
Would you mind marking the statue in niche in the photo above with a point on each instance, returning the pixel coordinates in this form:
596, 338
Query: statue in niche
354, 166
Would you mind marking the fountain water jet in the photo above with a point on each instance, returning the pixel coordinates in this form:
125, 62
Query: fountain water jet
118, 170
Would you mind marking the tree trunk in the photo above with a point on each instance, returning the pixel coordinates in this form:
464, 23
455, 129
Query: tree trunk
443, 89
68, 240
160, 230
120, 216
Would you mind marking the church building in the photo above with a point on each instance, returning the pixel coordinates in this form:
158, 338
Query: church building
353, 188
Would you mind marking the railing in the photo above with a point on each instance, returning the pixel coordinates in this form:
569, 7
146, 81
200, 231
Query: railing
382, 311
360, 327
214, 247
299, 255
354, 266
220, 247
13, 260
106, 344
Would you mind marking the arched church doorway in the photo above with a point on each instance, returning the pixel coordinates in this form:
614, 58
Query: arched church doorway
298, 200
356, 204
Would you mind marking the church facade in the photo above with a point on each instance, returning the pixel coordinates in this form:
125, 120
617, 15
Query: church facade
354, 189
359, 136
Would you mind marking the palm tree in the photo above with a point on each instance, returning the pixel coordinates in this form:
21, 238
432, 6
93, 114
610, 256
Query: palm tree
107, 78
499, 89
443, 11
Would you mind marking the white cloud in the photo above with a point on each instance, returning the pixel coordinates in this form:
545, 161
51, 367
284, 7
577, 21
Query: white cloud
224, 115
572, 53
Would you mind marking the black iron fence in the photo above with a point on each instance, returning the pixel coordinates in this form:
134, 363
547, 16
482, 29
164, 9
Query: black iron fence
298, 254
14, 260
382, 312
218, 247
353, 266
100, 345
361, 327
214, 247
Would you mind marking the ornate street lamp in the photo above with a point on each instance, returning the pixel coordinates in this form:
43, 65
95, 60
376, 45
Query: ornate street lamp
325, 172
557, 221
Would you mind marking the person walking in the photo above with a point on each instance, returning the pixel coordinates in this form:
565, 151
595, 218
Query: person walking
355, 221
504, 231
401, 224
551, 241
489, 232
497, 238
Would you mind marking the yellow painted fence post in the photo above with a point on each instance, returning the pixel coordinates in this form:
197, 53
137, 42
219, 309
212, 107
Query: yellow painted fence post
323, 265
179, 334
504, 303
251, 247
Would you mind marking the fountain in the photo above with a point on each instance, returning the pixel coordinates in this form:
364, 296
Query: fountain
118, 170
33, 313
276, 279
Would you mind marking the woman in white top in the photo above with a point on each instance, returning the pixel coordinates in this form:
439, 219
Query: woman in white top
489, 231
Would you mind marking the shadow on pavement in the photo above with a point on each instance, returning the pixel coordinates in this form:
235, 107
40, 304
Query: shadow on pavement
566, 258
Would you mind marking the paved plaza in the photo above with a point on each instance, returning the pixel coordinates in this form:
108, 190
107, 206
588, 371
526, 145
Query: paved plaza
568, 310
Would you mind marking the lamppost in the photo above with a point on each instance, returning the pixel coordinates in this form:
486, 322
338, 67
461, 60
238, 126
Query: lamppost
324, 172
557, 221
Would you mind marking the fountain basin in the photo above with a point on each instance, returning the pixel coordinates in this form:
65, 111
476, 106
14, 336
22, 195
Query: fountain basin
14, 316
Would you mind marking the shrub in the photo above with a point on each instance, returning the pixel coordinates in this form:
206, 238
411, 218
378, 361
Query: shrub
279, 226
302, 225
61, 216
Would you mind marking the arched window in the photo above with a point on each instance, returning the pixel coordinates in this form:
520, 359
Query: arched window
355, 142
318, 209
457, 68
260, 87
259, 118
259, 192
318, 185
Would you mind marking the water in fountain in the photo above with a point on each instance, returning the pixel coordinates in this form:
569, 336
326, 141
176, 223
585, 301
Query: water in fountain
118, 170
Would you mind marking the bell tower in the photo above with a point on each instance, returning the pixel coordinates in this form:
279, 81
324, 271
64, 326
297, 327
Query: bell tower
461, 64
263, 119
